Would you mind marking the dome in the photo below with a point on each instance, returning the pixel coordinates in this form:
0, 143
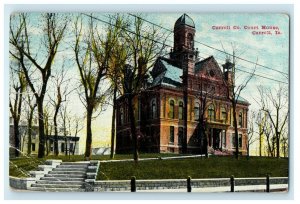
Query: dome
184, 20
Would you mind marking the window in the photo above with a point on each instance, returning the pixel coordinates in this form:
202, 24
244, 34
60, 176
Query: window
196, 111
71, 147
240, 141
153, 108
171, 134
121, 116
171, 111
180, 135
223, 114
223, 138
240, 119
211, 112
33, 147
180, 110
190, 41
233, 140
62, 147
51, 146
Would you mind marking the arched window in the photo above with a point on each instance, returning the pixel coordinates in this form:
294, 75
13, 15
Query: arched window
180, 110
171, 111
211, 112
196, 111
190, 41
153, 108
241, 119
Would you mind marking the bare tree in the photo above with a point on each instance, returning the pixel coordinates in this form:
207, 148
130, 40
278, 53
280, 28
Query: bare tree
250, 132
143, 49
25, 48
234, 91
275, 103
261, 123
31, 105
92, 55
17, 88
60, 82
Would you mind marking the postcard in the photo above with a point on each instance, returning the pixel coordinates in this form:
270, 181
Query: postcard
149, 102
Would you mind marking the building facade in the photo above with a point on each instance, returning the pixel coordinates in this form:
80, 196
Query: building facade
183, 84
66, 144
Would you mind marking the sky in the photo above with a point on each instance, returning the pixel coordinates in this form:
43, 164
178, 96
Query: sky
268, 50
238, 30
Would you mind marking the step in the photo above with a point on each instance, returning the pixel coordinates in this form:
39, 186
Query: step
75, 163
61, 179
65, 175
58, 181
56, 189
57, 185
68, 172
72, 166
70, 169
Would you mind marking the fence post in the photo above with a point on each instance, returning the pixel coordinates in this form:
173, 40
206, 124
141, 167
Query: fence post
132, 183
189, 187
268, 183
232, 183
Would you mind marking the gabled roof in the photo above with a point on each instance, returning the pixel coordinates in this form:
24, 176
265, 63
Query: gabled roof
199, 65
170, 76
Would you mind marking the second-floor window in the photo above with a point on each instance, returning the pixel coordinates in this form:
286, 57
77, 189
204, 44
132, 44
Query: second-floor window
153, 108
240, 119
223, 114
180, 110
171, 111
211, 112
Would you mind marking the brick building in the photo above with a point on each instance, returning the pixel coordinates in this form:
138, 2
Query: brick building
183, 84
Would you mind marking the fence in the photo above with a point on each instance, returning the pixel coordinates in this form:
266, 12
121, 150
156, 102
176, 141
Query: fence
189, 184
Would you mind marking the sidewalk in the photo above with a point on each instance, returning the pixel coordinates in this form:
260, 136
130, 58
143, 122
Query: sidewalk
253, 188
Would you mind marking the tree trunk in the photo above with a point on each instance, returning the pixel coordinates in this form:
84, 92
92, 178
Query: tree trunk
16, 138
236, 139
112, 147
55, 132
277, 134
133, 128
29, 132
88, 143
41, 152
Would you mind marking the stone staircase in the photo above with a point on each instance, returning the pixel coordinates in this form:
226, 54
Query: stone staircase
65, 177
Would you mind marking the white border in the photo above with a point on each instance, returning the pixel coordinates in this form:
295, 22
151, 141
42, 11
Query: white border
259, 7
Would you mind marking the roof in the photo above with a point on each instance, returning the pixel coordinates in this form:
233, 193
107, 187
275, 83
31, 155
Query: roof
184, 20
241, 99
171, 76
199, 65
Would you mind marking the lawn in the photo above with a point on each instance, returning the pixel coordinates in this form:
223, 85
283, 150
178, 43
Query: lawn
213, 167
20, 167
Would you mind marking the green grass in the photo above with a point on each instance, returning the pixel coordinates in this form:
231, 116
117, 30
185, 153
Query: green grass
213, 167
20, 167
